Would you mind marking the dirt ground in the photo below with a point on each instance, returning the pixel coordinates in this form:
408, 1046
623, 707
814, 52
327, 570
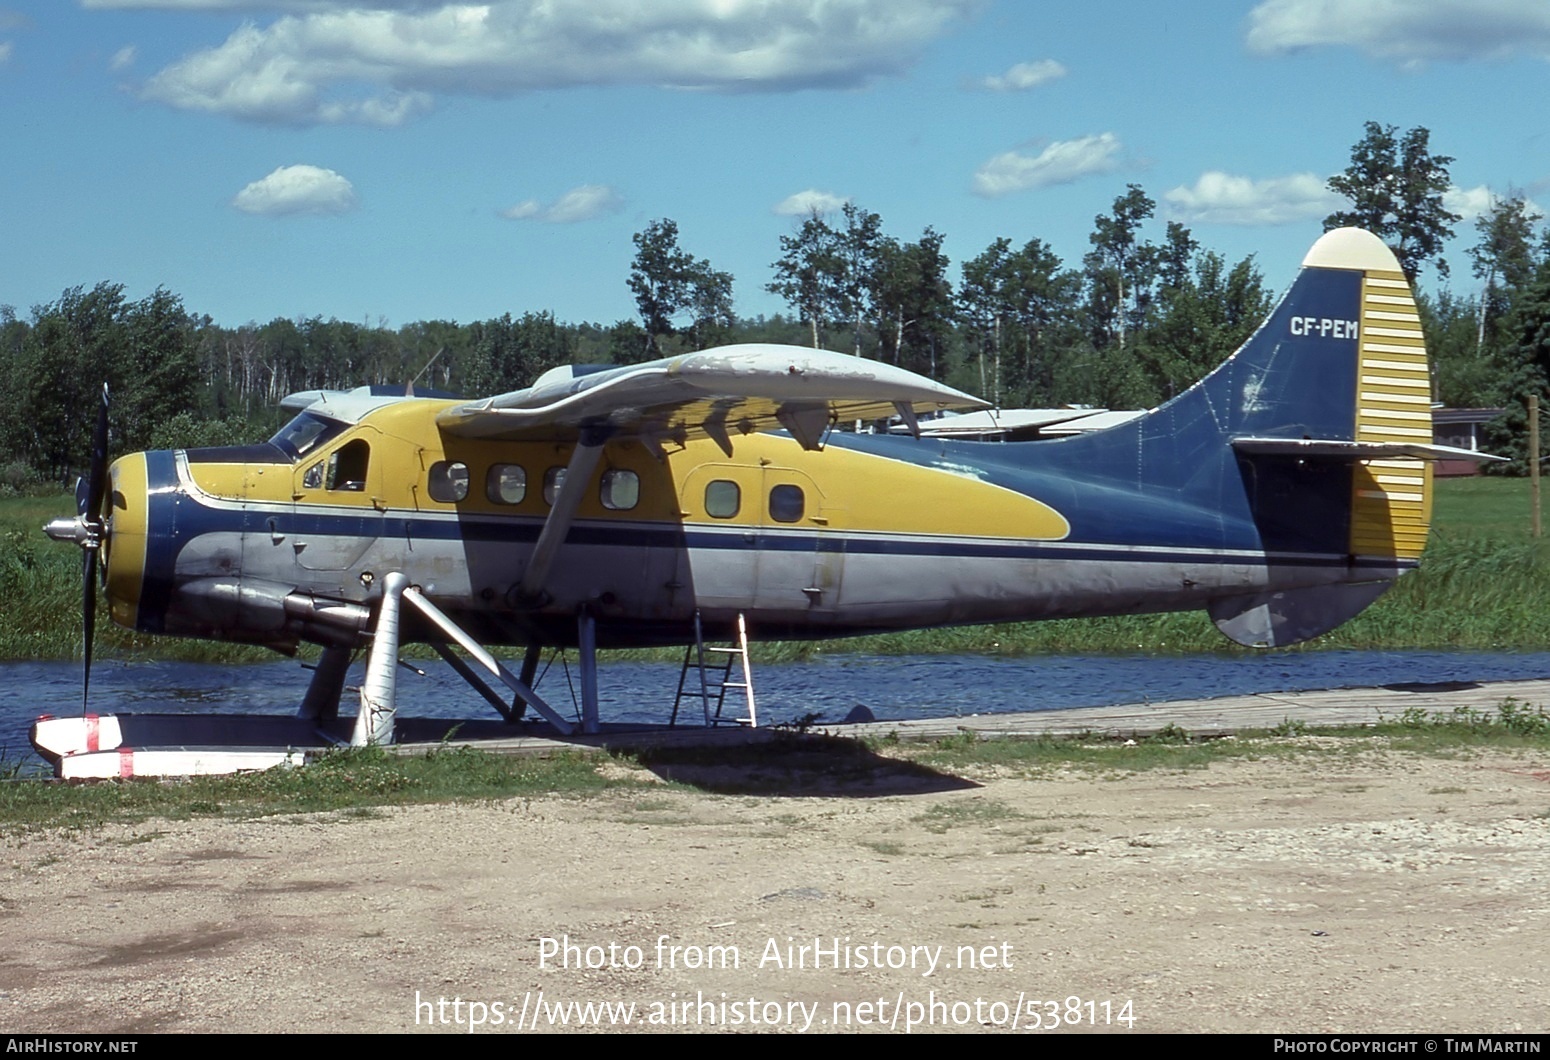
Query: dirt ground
1374, 892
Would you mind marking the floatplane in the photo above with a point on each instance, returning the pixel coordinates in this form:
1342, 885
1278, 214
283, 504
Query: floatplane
696, 496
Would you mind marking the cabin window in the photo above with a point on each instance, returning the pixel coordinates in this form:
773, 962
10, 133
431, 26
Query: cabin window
449, 481
506, 483
787, 504
723, 498
313, 479
347, 466
621, 490
554, 478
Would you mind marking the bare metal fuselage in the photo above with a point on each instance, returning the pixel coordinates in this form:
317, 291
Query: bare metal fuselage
247, 551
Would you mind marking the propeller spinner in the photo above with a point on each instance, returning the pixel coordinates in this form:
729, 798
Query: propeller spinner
89, 530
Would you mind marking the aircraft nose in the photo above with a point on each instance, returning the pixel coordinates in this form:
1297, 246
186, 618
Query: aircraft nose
125, 531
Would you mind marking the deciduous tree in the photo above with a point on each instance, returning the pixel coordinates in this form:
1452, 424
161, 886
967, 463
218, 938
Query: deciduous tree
1528, 370
1120, 268
1395, 186
1019, 306
857, 246
1503, 260
807, 273
914, 302
668, 282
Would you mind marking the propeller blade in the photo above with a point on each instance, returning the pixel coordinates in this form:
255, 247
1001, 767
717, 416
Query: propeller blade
88, 620
97, 477
91, 514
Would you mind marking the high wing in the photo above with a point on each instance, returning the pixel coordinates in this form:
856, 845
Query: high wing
710, 394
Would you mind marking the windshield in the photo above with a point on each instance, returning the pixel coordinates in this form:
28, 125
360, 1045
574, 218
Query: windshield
305, 433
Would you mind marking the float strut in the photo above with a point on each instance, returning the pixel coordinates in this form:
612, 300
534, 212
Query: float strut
321, 703
476, 682
586, 644
379, 692
530, 660
491, 665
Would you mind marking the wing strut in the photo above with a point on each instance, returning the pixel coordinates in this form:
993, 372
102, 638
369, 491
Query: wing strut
578, 479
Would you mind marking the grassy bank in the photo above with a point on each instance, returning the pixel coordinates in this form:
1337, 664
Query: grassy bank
40, 597
1484, 584
355, 782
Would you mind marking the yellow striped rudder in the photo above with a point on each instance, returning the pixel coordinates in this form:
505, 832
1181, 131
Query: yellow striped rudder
1391, 499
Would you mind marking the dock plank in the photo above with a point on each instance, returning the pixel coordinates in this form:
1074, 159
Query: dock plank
1220, 716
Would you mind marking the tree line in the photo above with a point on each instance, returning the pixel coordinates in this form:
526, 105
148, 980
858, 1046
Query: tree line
1142, 315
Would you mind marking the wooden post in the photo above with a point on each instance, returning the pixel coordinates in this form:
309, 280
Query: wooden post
1533, 455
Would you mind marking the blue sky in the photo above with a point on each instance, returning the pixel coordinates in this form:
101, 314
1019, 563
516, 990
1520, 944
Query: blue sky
400, 160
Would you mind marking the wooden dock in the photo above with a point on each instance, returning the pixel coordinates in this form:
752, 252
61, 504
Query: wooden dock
1226, 715
130, 745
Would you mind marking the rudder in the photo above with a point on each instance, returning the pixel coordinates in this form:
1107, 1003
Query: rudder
1387, 449
1391, 498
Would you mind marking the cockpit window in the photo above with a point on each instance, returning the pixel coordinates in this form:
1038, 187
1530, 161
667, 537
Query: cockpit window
347, 466
305, 433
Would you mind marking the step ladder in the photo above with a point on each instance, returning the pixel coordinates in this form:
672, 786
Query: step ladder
718, 669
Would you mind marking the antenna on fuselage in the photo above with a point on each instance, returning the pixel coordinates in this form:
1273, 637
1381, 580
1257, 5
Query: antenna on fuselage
409, 390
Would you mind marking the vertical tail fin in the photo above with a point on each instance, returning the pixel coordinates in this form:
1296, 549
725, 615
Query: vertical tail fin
1387, 498
1391, 498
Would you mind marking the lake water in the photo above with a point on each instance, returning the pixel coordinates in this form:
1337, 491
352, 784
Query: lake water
892, 687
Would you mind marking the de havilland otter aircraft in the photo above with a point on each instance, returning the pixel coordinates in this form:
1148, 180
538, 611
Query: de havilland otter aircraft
662, 502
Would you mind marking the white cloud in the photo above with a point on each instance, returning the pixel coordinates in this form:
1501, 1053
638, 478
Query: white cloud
123, 58
251, 5
380, 61
1471, 203
805, 203
292, 190
5, 50
1024, 76
1411, 31
1224, 199
1060, 163
579, 204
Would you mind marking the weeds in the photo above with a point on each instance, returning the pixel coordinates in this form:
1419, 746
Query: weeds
1169, 733
1512, 716
945, 816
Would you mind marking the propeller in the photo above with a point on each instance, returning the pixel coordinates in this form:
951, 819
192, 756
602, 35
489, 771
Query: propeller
88, 529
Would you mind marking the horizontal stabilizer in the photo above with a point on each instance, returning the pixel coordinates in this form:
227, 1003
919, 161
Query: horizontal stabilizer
1340, 450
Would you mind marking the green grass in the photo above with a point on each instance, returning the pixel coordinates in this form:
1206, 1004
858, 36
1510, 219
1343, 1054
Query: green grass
1484, 584
352, 782
1034, 755
40, 583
